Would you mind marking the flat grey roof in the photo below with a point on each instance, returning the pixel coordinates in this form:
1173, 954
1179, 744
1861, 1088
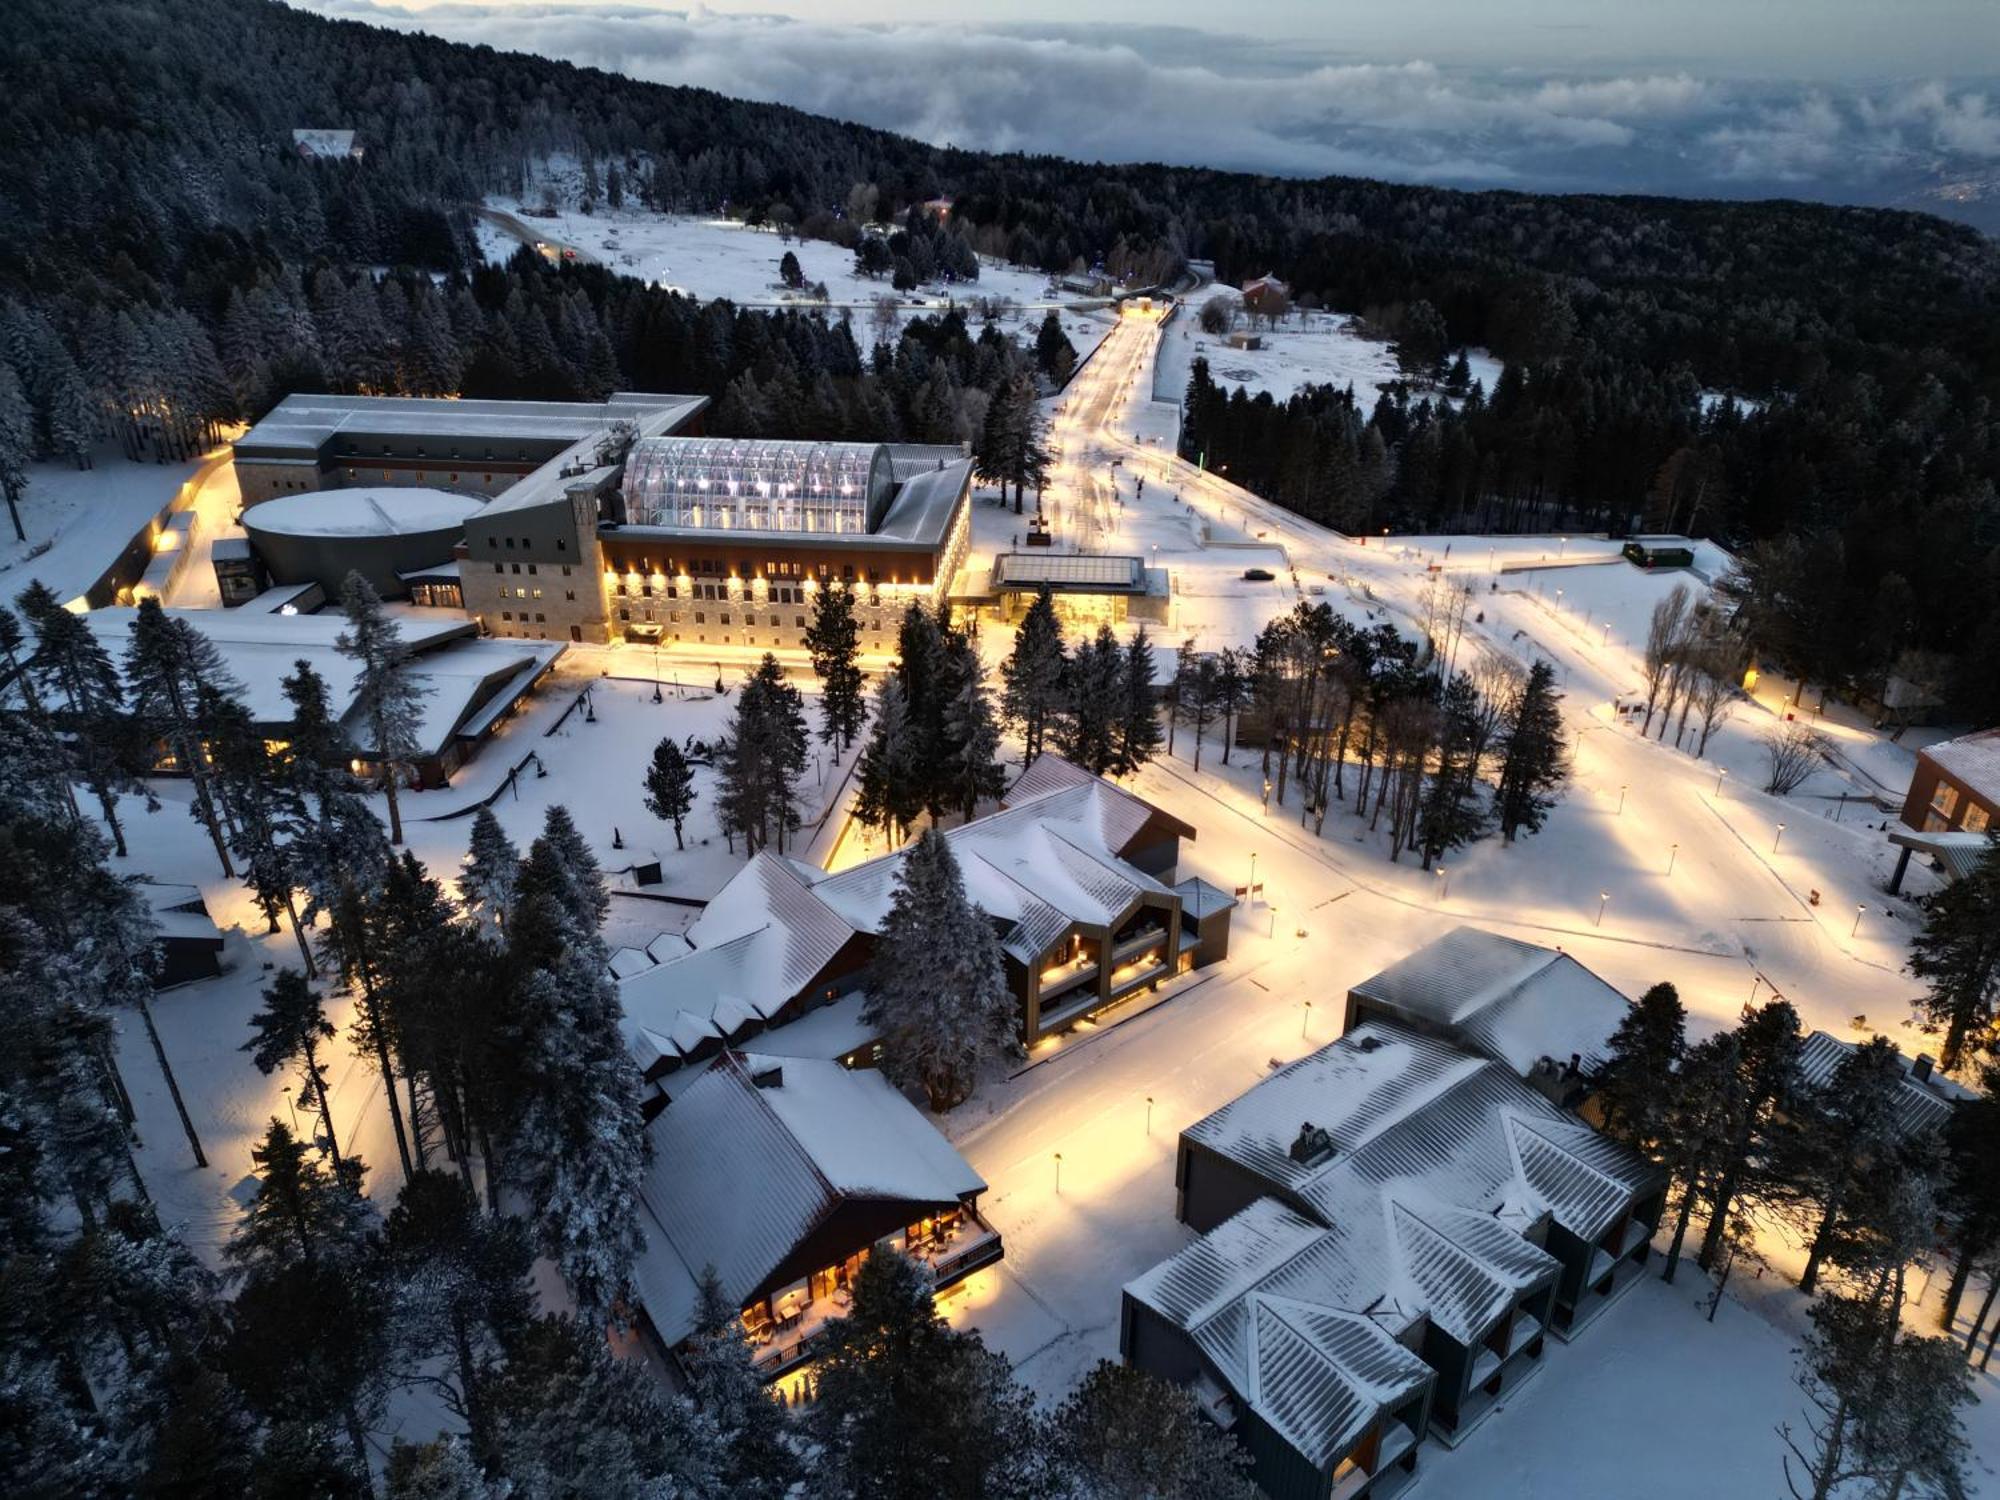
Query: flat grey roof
1070, 572
299, 424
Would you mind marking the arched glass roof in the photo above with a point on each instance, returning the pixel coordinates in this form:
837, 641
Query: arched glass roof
756, 484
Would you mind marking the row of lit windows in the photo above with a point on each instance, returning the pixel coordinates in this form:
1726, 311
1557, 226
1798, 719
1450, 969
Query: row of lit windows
502, 567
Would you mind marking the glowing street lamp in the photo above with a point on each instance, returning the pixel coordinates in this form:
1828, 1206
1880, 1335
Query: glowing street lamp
1721, 771
1267, 796
1672, 855
1856, 928
1444, 881
1602, 897
1779, 839
1621, 800
1149, 1114
1305, 1016
1059, 1174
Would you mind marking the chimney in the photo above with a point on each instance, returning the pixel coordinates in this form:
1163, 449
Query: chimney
772, 1077
1920, 1070
1313, 1146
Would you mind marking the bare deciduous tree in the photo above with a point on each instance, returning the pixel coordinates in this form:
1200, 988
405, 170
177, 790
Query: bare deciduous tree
1793, 752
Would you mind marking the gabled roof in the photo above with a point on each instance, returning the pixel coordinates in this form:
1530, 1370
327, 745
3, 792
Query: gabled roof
1037, 867
1258, 1295
741, 1173
1441, 1160
1920, 1106
1515, 1001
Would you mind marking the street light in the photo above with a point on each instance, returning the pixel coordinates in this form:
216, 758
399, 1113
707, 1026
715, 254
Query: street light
1621, 800
1602, 897
1267, 796
1562, 542
1149, 1114
1305, 1016
1779, 839
1059, 1174
1672, 855
1856, 928
1721, 771
1250, 890
1444, 881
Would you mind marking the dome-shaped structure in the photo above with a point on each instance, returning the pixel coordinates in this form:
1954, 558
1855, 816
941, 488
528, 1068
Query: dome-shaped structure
323, 535
757, 484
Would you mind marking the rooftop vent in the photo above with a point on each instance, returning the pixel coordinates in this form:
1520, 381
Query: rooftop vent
1920, 1070
769, 1078
1313, 1147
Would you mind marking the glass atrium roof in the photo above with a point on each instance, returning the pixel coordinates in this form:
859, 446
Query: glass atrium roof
757, 484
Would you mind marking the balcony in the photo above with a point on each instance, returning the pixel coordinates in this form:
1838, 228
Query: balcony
1151, 935
1067, 975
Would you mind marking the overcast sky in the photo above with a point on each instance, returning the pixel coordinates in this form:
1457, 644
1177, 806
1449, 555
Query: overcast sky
1850, 100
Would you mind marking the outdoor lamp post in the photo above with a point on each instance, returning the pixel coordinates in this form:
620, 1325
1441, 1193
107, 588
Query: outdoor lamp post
1149, 1114
658, 697
1621, 800
1779, 839
1562, 544
1602, 897
1272, 931
293, 1105
1059, 1174
1856, 928
1267, 797
1444, 881
1251, 889
1720, 772
1672, 855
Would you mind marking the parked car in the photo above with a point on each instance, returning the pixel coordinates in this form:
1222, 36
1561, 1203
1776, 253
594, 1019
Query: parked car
1259, 575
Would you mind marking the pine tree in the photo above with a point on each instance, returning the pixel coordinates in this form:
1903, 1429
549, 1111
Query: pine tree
939, 997
261, 805
1089, 729
81, 684
909, 1406
577, 1423
309, 1326
1032, 676
888, 792
834, 641
1055, 355
1124, 1434
1839, 1132
1909, 1433
388, 698
17, 445
1969, 1189
760, 760
728, 1388
463, 1291
1451, 816
492, 874
670, 786
1958, 955
1763, 1084
1139, 735
1534, 759
1636, 1087
173, 671
577, 1149
971, 762
288, 1031
442, 1469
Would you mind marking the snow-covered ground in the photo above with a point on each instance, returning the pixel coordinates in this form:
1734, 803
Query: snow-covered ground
1736, 916
1307, 348
79, 520
710, 258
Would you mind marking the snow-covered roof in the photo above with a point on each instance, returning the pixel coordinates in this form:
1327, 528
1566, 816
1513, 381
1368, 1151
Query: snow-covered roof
757, 1153
1045, 862
467, 679
1921, 1104
1249, 1294
1432, 1164
1973, 760
391, 510
1512, 1000
324, 142
1199, 899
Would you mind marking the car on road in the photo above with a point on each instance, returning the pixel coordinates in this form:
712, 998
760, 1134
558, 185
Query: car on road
1258, 575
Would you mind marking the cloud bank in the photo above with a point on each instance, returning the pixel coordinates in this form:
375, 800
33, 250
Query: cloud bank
1188, 97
